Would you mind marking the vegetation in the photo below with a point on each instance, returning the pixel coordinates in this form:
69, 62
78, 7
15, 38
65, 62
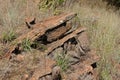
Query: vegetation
103, 27
62, 61
8, 36
50, 4
38, 45
26, 45
102, 23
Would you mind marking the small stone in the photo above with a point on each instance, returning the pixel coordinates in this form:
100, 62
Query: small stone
56, 52
25, 77
56, 73
30, 21
20, 57
73, 54
73, 57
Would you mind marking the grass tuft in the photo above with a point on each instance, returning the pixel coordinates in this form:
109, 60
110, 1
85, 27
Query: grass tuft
8, 36
26, 45
62, 61
50, 4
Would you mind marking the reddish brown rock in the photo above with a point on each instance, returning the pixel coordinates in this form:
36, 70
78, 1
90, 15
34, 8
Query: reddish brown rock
91, 58
39, 30
44, 69
84, 41
59, 32
60, 42
56, 73
30, 22
78, 70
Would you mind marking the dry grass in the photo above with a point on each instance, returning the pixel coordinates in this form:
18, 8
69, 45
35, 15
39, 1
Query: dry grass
14, 12
103, 27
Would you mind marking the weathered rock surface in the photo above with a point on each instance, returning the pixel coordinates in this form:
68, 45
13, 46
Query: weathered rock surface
58, 32
44, 69
39, 29
84, 41
54, 34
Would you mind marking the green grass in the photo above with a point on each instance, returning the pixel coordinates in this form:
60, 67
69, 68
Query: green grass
50, 4
8, 36
26, 45
62, 61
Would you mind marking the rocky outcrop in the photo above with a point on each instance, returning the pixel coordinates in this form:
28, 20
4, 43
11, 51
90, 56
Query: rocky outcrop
55, 34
